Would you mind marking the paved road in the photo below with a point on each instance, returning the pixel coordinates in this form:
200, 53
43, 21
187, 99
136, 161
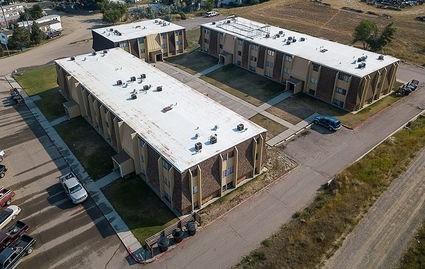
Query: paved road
321, 155
68, 236
380, 238
74, 41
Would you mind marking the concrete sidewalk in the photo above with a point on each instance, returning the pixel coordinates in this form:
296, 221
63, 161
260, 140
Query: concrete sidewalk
126, 236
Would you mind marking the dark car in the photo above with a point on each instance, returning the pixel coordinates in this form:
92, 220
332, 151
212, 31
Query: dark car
328, 122
3, 170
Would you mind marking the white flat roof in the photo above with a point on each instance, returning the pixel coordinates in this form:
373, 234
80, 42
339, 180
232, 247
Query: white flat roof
171, 133
324, 52
136, 29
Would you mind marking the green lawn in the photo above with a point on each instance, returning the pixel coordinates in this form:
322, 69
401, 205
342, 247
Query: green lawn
193, 62
315, 233
300, 106
51, 104
273, 128
38, 80
88, 146
140, 208
243, 84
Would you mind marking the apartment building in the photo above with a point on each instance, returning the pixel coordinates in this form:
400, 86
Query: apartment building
150, 40
344, 76
185, 146
9, 14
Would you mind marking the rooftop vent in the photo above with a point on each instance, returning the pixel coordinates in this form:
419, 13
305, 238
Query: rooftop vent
288, 42
111, 29
72, 58
381, 57
240, 127
267, 35
215, 127
105, 51
213, 139
143, 76
198, 146
290, 38
302, 39
133, 78
133, 96
277, 35
323, 50
145, 87
294, 40
159, 88
93, 53
119, 82
280, 32
213, 23
228, 21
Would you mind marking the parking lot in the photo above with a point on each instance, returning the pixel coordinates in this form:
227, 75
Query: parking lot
68, 236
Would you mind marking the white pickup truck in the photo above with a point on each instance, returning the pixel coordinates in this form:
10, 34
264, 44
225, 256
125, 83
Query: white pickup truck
73, 188
1, 155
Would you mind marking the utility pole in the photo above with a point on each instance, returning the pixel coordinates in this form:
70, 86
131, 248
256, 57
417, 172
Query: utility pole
4, 16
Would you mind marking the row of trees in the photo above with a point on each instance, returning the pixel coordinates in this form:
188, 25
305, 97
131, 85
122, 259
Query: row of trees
25, 37
368, 34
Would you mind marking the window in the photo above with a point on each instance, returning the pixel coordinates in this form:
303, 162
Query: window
220, 46
268, 74
253, 58
166, 165
166, 181
270, 52
180, 32
221, 34
311, 92
195, 189
254, 47
338, 102
164, 46
340, 91
206, 31
344, 77
313, 80
240, 41
179, 42
288, 58
228, 171
205, 40
316, 67
142, 51
287, 70
142, 158
163, 36
239, 53
141, 40
269, 64
124, 45
238, 62
251, 68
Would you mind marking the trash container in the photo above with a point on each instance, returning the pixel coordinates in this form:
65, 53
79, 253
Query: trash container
178, 235
191, 227
163, 243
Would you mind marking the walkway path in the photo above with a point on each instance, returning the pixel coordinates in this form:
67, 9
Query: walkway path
236, 104
121, 229
382, 235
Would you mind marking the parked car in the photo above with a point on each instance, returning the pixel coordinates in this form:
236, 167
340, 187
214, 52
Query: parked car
6, 196
12, 234
328, 122
212, 13
2, 155
8, 214
12, 256
3, 170
73, 188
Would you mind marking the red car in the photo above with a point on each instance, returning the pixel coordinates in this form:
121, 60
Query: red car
6, 196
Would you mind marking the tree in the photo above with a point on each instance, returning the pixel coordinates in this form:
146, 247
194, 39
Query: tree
36, 34
364, 31
36, 12
20, 38
1, 51
209, 4
367, 32
113, 12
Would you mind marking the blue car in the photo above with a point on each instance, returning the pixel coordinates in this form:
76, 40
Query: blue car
328, 122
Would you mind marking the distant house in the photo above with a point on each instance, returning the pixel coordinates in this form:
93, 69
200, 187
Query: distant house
151, 40
9, 14
48, 24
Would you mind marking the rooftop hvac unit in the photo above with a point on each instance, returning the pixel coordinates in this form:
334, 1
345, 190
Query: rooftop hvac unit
277, 35
133, 96
159, 88
280, 32
267, 35
294, 40
381, 57
93, 53
290, 38
156, 21
111, 29
133, 78
198, 146
72, 58
145, 87
240, 127
119, 82
361, 65
143, 76
288, 42
302, 39
213, 139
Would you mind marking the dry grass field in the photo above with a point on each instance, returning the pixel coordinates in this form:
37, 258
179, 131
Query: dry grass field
333, 23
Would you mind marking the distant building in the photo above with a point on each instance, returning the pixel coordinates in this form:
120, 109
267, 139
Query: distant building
5, 35
9, 14
151, 40
345, 76
188, 148
50, 24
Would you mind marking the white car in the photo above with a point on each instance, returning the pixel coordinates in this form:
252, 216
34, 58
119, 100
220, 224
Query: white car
1, 155
73, 188
212, 13
8, 214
